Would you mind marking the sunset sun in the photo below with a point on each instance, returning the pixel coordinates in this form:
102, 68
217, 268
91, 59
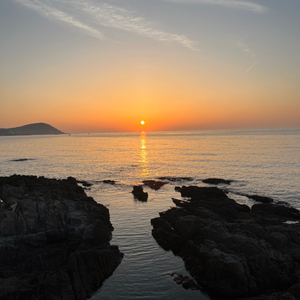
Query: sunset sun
142, 122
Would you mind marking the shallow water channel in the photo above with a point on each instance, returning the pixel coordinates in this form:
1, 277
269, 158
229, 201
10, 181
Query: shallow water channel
145, 270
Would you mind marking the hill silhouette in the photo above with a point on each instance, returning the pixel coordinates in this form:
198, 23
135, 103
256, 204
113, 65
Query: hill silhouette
30, 129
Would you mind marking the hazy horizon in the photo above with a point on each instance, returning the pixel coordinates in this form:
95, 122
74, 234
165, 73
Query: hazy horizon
143, 129
103, 66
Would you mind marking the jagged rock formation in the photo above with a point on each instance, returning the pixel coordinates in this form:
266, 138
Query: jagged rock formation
54, 240
233, 251
31, 129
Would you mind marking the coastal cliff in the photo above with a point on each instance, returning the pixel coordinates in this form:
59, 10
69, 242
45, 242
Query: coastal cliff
233, 251
30, 129
54, 240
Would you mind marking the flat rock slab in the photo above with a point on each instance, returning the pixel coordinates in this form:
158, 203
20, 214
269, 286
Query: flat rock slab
232, 251
54, 240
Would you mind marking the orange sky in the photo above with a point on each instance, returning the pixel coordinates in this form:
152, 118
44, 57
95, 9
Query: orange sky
179, 69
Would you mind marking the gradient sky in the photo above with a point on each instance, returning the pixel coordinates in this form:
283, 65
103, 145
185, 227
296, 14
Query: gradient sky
94, 66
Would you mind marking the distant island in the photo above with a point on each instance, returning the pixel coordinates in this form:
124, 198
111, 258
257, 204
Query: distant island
30, 129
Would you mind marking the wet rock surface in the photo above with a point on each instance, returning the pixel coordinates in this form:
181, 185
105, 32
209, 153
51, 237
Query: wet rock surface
54, 240
232, 251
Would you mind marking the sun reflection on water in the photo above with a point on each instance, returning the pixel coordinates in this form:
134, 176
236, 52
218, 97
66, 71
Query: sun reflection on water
144, 163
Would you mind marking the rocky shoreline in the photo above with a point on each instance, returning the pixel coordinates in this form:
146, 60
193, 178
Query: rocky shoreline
54, 240
231, 250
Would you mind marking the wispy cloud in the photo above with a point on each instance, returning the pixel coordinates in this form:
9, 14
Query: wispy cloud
120, 18
89, 15
247, 5
55, 14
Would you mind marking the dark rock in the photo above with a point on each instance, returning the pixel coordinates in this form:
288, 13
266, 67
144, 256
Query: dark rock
283, 203
273, 296
180, 203
108, 181
162, 224
75, 181
216, 181
84, 183
185, 281
154, 184
261, 198
276, 210
295, 290
198, 192
172, 179
233, 251
70, 179
54, 240
22, 159
139, 193
178, 278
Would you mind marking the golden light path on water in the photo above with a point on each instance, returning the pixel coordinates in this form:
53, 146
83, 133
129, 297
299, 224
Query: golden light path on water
143, 157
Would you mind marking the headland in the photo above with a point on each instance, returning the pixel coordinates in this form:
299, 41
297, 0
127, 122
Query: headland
30, 129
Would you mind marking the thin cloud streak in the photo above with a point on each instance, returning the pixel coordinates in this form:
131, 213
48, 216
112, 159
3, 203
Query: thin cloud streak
247, 5
120, 18
102, 14
54, 14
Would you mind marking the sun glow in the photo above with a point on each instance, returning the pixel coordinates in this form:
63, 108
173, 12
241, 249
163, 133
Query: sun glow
142, 122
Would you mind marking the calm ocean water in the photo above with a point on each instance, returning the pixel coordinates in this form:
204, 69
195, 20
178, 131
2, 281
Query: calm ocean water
263, 162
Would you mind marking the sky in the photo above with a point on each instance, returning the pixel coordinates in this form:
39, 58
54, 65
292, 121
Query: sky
102, 66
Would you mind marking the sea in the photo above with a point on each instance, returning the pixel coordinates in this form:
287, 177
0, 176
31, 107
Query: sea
260, 162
